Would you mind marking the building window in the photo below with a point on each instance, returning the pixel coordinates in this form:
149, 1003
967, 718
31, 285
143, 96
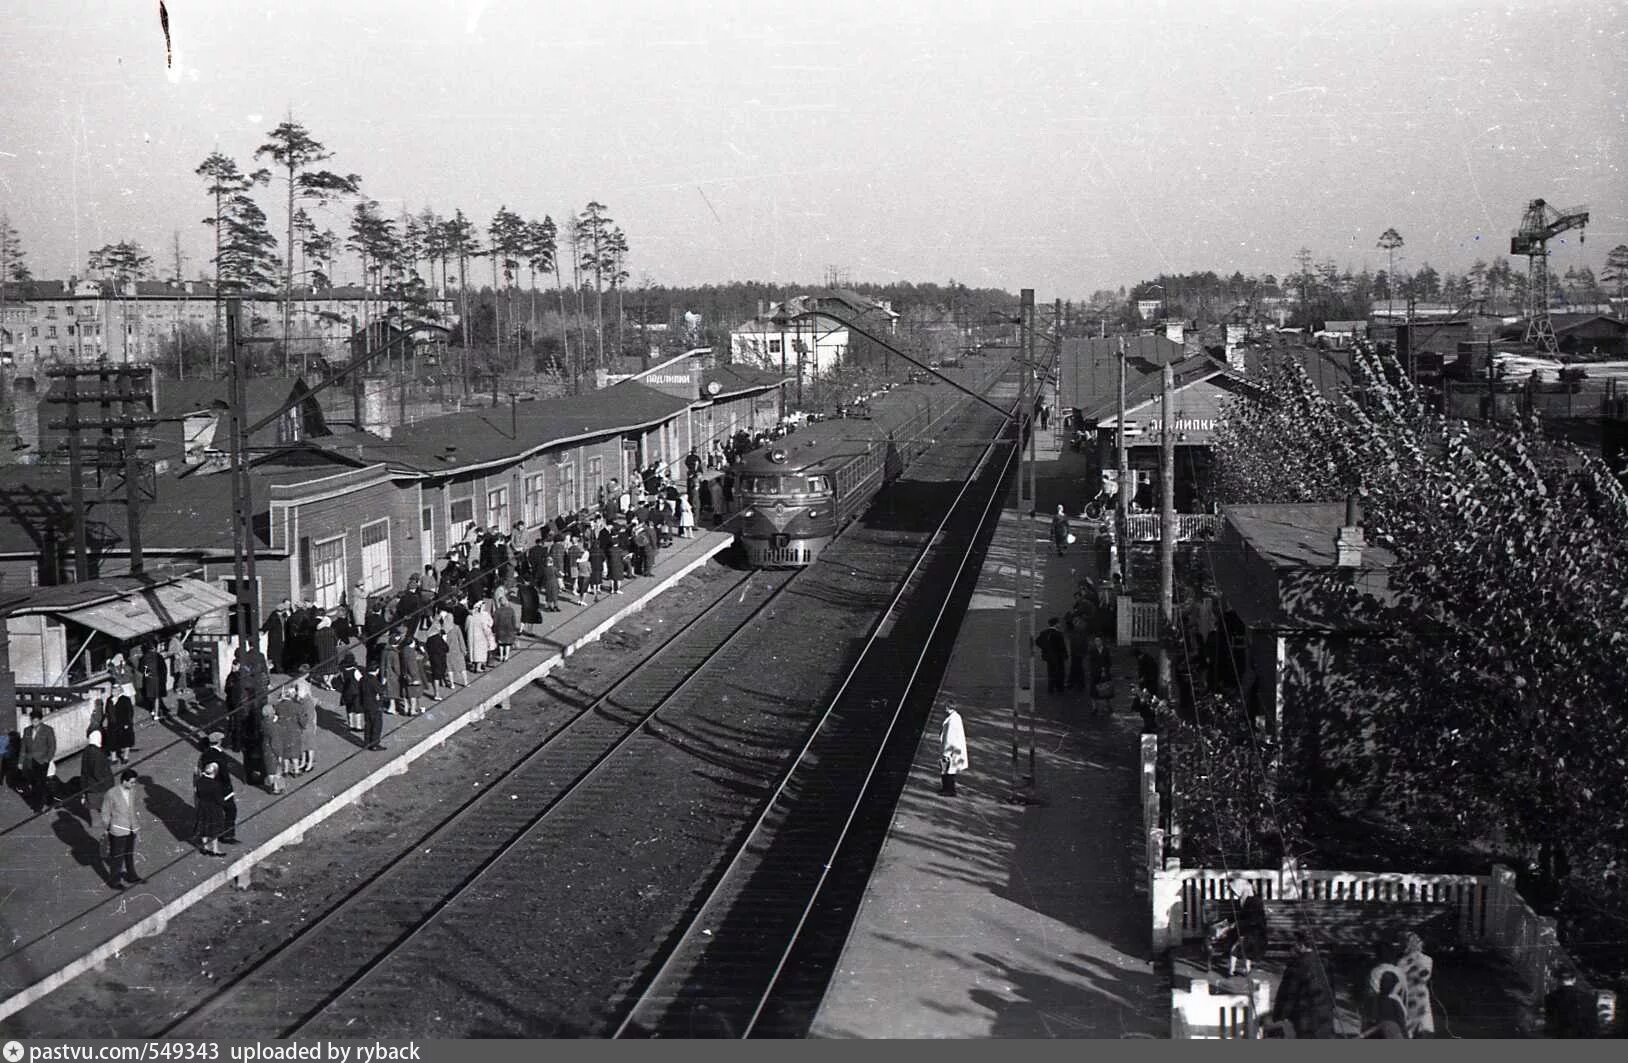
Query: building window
376, 555
596, 476
53, 350
774, 346
50, 332
566, 486
497, 508
328, 571
534, 499
50, 311
460, 518
70, 330
34, 330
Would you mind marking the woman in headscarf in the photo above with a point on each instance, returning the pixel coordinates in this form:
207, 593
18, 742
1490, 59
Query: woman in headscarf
615, 564
412, 675
120, 675
120, 734
530, 605
327, 652
180, 664
480, 635
457, 651
290, 732
271, 747
549, 577
1416, 968
210, 797
435, 657
952, 757
504, 628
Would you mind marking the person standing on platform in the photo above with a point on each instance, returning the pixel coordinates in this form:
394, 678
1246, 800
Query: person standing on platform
1077, 634
615, 559
480, 635
38, 760
178, 659
596, 558
652, 550
270, 746
412, 676
504, 627
952, 751
209, 800
122, 821
1059, 531
372, 700
435, 656
1054, 651
215, 753
95, 775
121, 729
154, 679
457, 651
715, 490
275, 629
350, 692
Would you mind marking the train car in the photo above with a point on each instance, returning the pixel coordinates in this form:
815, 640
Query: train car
797, 493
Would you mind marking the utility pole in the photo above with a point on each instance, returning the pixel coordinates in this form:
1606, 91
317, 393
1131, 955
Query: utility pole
248, 597
180, 356
1122, 511
1023, 579
1167, 528
129, 388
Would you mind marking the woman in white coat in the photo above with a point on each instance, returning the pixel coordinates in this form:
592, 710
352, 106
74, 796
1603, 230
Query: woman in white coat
952, 760
481, 638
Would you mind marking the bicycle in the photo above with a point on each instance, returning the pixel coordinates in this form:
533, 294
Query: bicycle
1098, 507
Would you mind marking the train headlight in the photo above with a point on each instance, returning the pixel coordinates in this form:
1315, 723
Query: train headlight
748, 513
813, 512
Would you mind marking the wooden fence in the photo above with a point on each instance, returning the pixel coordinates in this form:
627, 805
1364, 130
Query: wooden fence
1144, 527
1136, 621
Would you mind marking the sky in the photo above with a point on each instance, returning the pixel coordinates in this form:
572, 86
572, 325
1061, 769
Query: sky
1060, 146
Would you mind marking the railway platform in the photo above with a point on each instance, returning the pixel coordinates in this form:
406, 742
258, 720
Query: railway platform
988, 918
59, 917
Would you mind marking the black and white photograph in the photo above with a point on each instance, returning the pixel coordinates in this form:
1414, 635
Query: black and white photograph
942, 520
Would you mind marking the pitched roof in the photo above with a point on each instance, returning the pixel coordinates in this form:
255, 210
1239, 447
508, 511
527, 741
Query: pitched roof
498, 434
1144, 382
1296, 542
262, 395
740, 379
1298, 534
1089, 367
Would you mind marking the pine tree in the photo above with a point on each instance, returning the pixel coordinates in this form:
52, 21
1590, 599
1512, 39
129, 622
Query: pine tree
225, 183
292, 147
596, 227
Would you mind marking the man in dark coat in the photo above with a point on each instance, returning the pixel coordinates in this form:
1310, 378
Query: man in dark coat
276, 631
1053, 649
715, 488
213, 753
39, 753
1305, 997
372, 700
1059, 531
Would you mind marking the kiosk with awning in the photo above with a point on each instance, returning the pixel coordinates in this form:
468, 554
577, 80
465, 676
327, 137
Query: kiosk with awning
61, 638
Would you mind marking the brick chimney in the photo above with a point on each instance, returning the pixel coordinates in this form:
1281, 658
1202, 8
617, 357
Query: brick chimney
1348, 542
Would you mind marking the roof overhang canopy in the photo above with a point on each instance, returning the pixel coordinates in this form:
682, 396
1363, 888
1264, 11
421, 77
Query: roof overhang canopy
142, 612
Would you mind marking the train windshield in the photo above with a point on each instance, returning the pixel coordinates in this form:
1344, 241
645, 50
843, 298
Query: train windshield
784, 485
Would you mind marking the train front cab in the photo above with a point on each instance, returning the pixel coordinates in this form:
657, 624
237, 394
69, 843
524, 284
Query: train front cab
787, 518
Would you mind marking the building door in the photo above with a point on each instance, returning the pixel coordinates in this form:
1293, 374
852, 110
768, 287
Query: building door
328, 571
376, 555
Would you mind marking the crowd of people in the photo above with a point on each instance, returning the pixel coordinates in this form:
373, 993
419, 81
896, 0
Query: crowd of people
382, 653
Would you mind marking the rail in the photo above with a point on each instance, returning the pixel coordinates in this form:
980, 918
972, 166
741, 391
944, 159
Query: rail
474, 809
645, 1014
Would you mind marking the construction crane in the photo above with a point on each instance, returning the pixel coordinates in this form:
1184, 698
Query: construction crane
1540, 224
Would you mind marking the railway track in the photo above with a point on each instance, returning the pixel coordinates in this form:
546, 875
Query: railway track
540, 908
754, 958
455, 861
